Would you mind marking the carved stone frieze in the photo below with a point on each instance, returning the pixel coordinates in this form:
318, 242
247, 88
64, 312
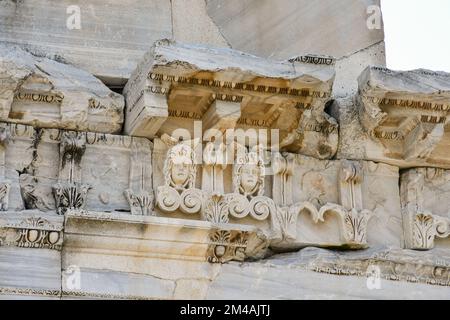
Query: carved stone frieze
307, 201
47, 165
331, 194
212, 202
31, 229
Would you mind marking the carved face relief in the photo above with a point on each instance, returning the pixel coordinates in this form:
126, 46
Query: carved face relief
179, 168
249, 178
180, 173
249, 175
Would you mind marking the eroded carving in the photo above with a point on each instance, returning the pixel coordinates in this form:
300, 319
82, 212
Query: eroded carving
33, 196
140, 192
226, 245
72, 149
4, 195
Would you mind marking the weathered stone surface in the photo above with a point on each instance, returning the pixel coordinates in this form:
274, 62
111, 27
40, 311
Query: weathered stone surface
111, 38
379, 273
425, 196
403, 117
106, 284
27, 273
287, 28
49, 94
103, 44
348, 68
53, 169
246, 161
186, 29
146, 262
189, 88
30, 261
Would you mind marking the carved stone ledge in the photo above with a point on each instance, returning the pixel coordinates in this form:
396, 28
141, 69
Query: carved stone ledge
381, 263
177, 84
403, 118
149, 237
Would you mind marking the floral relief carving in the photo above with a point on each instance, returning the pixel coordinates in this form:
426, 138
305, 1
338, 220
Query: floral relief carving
421, 226
225, 245
70, 196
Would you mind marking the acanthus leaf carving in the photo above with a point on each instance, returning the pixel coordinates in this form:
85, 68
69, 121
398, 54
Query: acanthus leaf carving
426, 227
353, 223
215, 208
140, 203
420, 225
70, 196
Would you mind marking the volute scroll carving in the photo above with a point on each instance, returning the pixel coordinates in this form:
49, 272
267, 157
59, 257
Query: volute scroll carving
351, 213
248, 184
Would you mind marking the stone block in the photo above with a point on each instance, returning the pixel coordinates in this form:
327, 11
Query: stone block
48, 94
398, 117
178, 89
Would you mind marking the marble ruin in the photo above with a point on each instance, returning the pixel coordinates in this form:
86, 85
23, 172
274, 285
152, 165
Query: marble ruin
216, 172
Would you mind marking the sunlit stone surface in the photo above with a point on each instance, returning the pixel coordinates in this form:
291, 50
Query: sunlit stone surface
279, 173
